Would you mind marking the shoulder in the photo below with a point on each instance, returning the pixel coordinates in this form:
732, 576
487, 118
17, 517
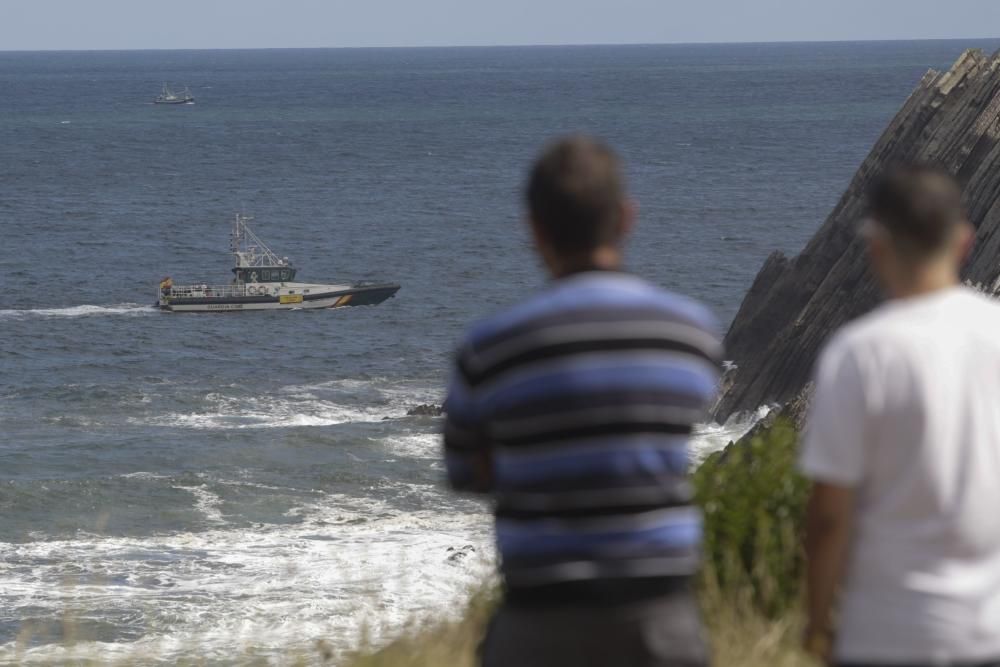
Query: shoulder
586, 295
679, 307
637, 291
857, 341
857, 334
980, 304
895, 327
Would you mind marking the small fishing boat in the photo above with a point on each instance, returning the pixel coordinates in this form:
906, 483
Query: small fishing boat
168, 96
264, 281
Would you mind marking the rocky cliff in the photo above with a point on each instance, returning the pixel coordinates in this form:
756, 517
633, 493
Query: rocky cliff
952, 119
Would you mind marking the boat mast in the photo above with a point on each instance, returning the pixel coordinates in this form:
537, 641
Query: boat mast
249, 250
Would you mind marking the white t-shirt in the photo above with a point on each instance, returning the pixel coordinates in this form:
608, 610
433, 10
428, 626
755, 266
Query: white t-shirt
907, 411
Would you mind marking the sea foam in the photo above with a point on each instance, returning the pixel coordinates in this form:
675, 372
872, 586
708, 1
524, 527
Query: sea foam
345, 567
85, 310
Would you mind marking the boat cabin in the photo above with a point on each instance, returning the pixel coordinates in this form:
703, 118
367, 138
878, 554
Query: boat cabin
261, 274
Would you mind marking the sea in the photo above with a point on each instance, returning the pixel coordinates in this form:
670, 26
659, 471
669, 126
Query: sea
238, 487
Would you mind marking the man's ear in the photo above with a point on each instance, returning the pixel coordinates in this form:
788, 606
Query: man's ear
966, 241
878, 251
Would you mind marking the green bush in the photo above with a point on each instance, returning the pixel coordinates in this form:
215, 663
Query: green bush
753, 500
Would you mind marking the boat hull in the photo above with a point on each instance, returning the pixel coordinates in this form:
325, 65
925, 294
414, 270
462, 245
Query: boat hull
367, 295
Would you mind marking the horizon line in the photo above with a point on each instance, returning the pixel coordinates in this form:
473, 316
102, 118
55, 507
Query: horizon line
505, 46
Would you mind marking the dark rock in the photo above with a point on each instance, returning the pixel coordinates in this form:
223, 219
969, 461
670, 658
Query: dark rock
794, 413
457, 555
791, 415
427, 410
952, 119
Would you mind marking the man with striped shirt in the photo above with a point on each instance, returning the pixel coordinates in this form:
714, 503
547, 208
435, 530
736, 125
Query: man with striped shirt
573, 411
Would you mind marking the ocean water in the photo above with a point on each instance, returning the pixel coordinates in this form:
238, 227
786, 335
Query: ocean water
227, 485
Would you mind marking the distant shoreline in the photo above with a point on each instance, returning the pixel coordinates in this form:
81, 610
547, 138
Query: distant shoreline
512, 46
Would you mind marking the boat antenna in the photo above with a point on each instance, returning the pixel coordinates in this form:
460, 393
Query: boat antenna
249, 249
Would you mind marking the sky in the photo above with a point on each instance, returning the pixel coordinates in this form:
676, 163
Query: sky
205, 24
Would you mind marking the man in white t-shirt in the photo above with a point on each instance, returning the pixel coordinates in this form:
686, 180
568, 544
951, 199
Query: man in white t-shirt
903, 447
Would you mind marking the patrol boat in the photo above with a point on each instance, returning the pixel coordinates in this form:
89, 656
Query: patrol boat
264, 281
168, 96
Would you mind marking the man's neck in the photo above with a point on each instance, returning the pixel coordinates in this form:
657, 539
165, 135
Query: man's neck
926, 281
601, 259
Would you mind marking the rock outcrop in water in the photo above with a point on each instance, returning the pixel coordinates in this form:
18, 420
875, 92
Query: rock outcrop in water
426, 410
951, 119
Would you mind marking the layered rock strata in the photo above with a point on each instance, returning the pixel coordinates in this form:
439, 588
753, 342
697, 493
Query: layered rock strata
951, 119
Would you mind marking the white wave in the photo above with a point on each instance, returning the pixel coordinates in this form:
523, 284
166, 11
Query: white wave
415, 445
324, 404
348, 566
414, 395
710, 438
80, 311
406, 393
206, 502
273, 413
141, 474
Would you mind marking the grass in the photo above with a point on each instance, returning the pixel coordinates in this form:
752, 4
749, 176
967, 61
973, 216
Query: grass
442, 644
740, 636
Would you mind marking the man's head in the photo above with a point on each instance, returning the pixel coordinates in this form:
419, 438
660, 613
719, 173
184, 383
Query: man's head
917, 229
577, 206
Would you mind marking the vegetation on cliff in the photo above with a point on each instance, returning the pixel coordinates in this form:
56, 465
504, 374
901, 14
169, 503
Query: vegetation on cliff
753, 502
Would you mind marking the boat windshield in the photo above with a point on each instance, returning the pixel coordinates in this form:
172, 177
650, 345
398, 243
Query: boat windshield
265, 275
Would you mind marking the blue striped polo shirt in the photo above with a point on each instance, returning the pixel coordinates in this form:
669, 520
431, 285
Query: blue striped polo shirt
573, 410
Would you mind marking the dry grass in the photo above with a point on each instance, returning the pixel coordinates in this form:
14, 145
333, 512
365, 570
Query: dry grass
441, 643
739, 635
